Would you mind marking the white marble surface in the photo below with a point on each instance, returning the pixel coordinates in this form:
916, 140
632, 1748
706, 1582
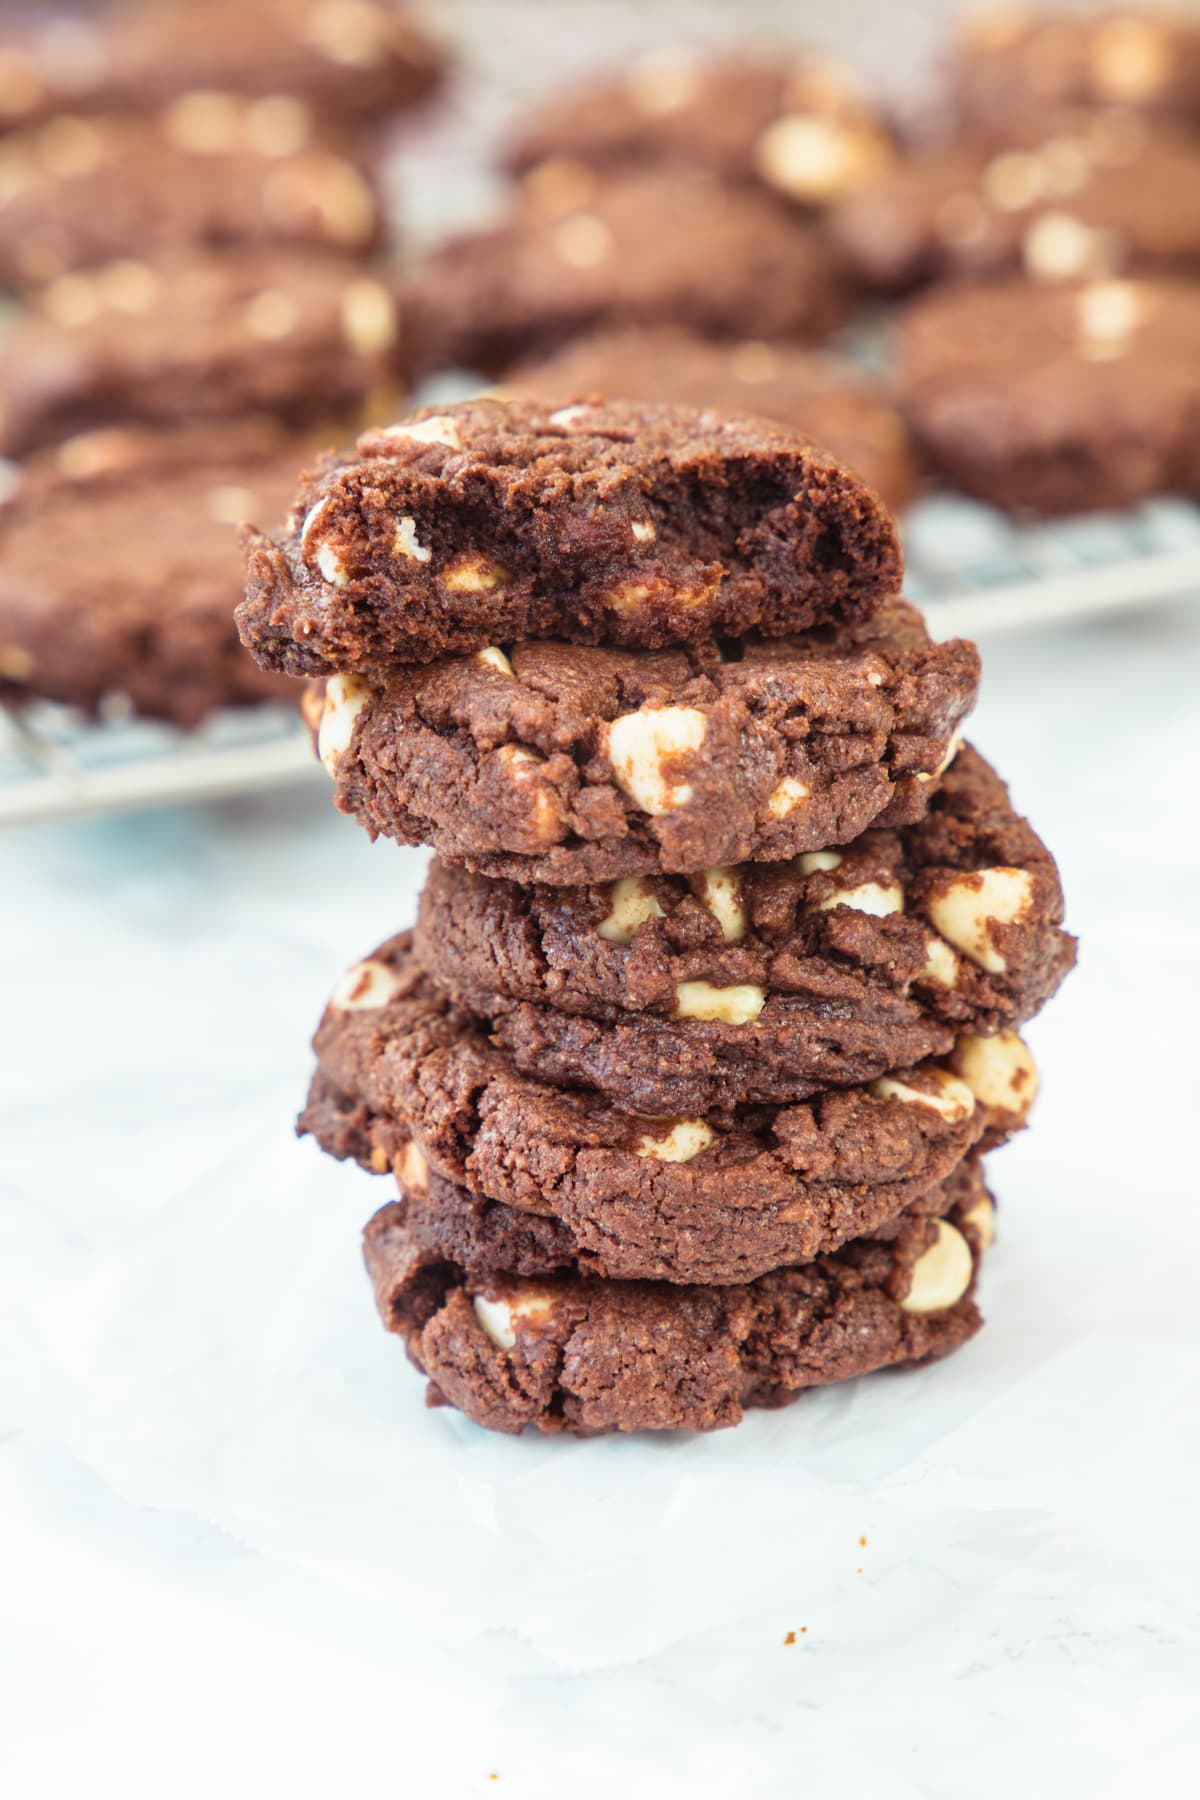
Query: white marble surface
237, 1552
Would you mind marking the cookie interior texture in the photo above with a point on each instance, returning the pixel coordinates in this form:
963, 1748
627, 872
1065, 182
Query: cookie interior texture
622, 522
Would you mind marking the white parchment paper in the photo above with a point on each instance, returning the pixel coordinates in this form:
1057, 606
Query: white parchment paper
236, 1552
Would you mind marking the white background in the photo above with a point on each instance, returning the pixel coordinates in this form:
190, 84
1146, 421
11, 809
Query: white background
236, 1550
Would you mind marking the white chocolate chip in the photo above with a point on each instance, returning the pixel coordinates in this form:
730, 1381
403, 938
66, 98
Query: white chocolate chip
941, 964
812, 158
437, 430
640, 744
786, 797
950, 1097
730, 1005
471, 573
814, 862
405, 542
942, 1274
499, 1318
128, 286
686, 1138
583, 241
567, 415
1013, 181
999, 1071
643, 530
494, 658
277, 125
72, 300
981, 1217
203, 122
272, 314
412, 1168
311, 519
368, 317
366, 987
1058, 247
345, 697
1110, 309
1130, 59
722, 897
874, 897
557, 185
631, 596
331, 566
630, 902
351, 32
972, 904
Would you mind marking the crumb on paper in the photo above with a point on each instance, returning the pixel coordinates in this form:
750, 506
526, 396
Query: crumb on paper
790, 1638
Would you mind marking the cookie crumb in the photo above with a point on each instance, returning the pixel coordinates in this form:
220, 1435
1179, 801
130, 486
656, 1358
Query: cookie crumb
790, 1638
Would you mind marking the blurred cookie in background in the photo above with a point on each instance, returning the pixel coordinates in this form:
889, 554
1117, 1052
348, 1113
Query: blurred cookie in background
120, 567
1056, 399
816, 394
188, 336
209, 170
584, 248
803, 126
347, 61
1080, 195
1014, 62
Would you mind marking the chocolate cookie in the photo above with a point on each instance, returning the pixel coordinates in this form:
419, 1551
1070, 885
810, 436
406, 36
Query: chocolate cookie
623, 523
1083, 197
1014, 62
564, 1352
654, 247
722, 1197
575, 764
807, 129
211, 171
343, 60
119, 568
189, 336
768, 981
1057, 400
821, 399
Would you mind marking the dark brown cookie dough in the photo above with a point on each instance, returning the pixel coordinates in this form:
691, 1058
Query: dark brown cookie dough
119, 568
1057, 400
718, 1198
624, 523
1081, 197
564, 1352
823, 400
1014, 62
345, 61
190, 336
577, 764
806, 129
654, 247
763, 982
211, 171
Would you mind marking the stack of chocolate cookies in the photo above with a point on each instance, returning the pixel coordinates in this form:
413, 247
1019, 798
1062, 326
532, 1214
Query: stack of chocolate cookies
685, 1073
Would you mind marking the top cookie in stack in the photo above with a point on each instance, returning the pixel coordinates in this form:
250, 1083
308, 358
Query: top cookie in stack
590, 643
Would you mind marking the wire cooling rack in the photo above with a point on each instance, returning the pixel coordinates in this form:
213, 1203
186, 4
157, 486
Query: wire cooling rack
974, 572
972, 569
